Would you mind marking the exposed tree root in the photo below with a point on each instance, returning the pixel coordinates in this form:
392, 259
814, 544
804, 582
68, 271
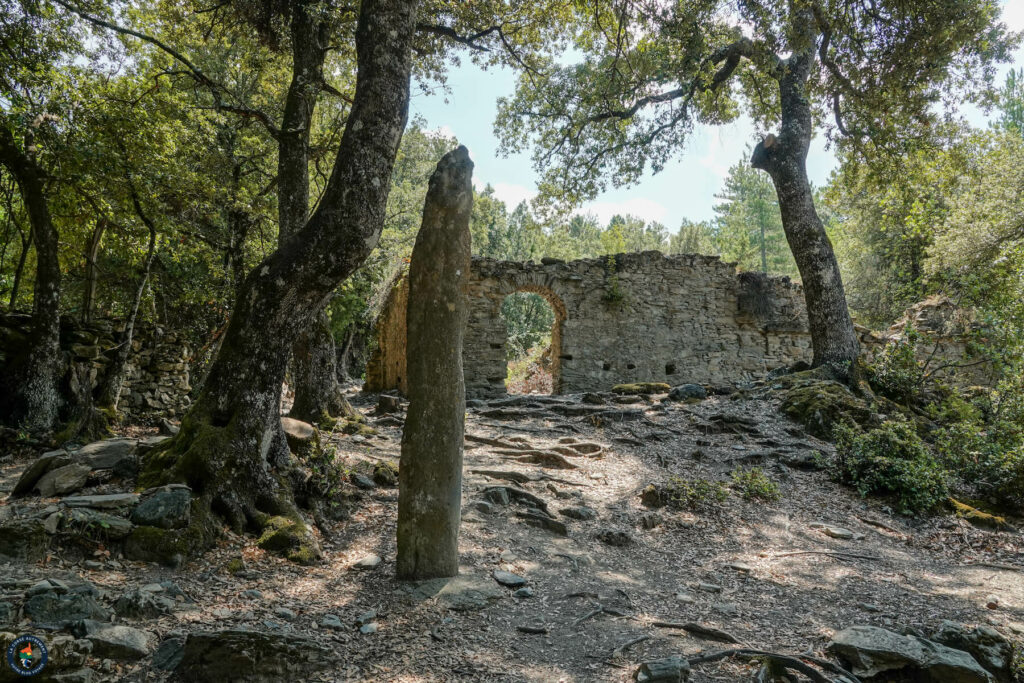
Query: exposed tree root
231, 480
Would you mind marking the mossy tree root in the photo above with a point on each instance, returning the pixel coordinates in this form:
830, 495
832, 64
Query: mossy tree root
232, 480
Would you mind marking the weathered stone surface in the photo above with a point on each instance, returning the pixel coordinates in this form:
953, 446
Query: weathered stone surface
169, 653
370, 561
114, 640
98, 523
23, 539
166, 509
580, 512
464, 593
508, 579
43, 464
688, 392
109, 501
430, 469
52, 608
673, 669
989, 647
63, 480
872, 651
385, 474
251, 657
657, 333
111, 454
143, 604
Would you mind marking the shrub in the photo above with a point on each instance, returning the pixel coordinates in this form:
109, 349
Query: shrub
753, 484
693, 494
896, 372
891, 459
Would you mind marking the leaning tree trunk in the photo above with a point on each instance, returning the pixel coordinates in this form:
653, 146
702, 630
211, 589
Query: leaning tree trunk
231, 449
32, 392
109, 393
318, 395
430, 471
92, 253
833, 337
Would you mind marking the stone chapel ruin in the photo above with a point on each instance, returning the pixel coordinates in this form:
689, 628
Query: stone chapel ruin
646, 317
642, 317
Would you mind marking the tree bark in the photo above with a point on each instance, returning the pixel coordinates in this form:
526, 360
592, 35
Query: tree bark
32, 395
430, 471
833, 337
26, 244
231, 447
92, 252
318, 395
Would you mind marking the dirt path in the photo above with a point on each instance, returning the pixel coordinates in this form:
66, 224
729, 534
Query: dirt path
765, 573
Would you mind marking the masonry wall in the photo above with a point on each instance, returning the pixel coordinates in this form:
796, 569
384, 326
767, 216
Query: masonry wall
157, 381
634, 317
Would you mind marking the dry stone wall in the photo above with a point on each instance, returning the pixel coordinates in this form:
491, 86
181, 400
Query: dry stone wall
628, 318
157, 381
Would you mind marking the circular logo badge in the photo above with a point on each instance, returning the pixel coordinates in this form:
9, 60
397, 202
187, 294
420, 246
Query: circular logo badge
26, 655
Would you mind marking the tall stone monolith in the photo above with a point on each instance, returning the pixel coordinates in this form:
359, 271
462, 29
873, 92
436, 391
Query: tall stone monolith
430, 471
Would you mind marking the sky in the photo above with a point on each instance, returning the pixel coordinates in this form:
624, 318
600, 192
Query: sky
685, 188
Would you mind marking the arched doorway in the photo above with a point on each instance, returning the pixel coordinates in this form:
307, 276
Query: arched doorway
533, 318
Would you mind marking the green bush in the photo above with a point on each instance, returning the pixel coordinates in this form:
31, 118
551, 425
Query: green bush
753, 484
693, 494
891, 459
896, 372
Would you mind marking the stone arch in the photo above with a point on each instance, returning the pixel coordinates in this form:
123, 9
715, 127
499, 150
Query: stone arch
558, 308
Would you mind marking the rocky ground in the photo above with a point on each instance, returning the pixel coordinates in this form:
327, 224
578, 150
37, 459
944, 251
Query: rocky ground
570, 571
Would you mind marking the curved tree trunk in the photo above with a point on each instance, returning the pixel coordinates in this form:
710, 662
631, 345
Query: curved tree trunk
318, 395
785, 159
26, 244
110, 389
32, 395
430, 472
231, 447
92, 252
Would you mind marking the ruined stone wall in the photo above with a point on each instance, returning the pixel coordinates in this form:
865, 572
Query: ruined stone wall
157, 380
629, 318
945, 345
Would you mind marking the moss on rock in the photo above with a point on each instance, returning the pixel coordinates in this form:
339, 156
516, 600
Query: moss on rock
641, 388
289, 537
977, 517
819, 405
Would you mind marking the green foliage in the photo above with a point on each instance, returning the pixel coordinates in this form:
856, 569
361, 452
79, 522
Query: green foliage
896, 372
613, 293
891, 460
693, 494
528, 322
748, 224
638, 80
754, 484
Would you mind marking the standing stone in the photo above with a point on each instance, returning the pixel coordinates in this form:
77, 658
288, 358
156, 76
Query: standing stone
430, 469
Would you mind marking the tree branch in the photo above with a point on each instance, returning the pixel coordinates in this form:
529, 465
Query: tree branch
216, 89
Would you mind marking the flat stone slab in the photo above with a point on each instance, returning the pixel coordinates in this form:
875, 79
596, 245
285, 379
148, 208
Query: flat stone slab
109, 501
368, 562
115, 640
238, 655
465, 593
508, 579
871, 651
61, 480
